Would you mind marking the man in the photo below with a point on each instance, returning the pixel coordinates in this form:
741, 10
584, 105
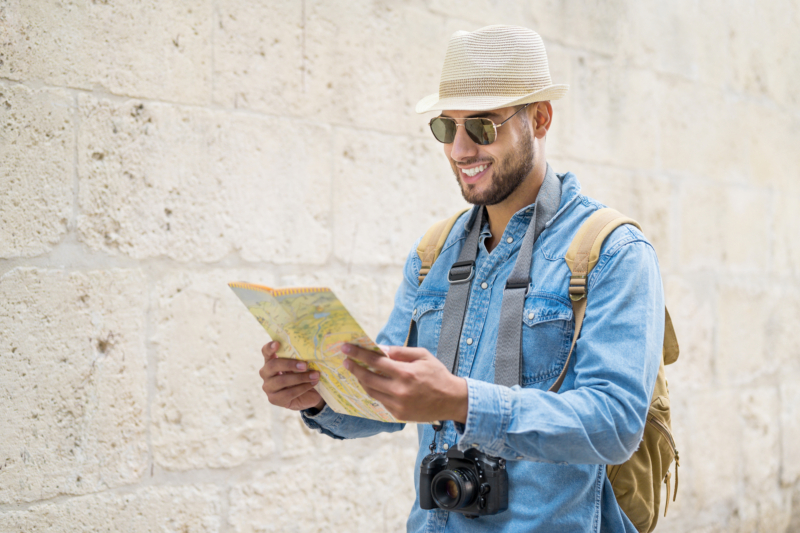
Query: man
555, 446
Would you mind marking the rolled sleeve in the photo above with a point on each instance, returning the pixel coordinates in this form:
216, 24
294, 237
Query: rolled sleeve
339, 426
325, 421
488, 416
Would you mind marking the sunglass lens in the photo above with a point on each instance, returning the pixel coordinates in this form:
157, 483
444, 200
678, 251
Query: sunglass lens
480, 130
444, 129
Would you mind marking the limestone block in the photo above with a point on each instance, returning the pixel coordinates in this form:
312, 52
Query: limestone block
196, 184
763, 507
744, 319
724, 227
171, 509
563, 67
369, 63
209, 410
387, 290
761, 46
387, 191
155, 49
582, 24
711, 456
37, 143
259, 58
611, 186
297, 441
700, 132
786, 253
772, 145
72, 369
783, 334
794, 525
790, 431
481, 13
368, 491
353, 63
645, 198
692, 305
610, 118
652, 206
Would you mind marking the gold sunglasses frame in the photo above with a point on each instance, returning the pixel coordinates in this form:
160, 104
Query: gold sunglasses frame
494, 126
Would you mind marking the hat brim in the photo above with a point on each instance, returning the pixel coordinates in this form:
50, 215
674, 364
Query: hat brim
487, 103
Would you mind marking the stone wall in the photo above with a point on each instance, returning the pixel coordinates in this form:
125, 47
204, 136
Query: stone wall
153, 150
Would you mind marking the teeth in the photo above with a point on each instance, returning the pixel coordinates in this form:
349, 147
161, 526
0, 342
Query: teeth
472, 171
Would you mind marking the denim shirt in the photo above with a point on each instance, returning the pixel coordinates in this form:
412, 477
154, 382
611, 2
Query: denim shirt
556, 445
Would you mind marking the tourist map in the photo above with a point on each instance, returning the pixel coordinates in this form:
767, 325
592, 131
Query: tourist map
312, 325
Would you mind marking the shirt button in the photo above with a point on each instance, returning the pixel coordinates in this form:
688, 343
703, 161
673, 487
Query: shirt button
469, 341
510, 240
530, 316
414, 313
520, 458
446, 446
484, 285
474, 444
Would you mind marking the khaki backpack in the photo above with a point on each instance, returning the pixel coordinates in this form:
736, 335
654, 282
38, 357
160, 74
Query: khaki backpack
636, 482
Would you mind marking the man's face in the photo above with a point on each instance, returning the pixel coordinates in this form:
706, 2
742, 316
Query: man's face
488, 174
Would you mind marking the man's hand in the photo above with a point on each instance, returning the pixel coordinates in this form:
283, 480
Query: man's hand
411, 383
288, 382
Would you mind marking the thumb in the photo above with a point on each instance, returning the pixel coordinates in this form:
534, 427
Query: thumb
403, 353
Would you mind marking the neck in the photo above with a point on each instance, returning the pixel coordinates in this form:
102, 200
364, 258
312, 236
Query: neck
500, 214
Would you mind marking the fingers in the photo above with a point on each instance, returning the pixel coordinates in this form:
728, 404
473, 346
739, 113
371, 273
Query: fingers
270, 349
284, 380
368, 380
382, 364
276, 366
405, 354
284, 397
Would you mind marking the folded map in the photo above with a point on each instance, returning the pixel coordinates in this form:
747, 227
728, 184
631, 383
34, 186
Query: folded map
312, 325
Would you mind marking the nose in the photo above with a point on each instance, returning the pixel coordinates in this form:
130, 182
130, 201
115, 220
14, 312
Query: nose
463, 148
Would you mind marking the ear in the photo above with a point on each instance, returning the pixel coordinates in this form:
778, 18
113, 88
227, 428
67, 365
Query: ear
541, 117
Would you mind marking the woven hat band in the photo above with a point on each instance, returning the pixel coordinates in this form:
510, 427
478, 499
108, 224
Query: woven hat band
503, 87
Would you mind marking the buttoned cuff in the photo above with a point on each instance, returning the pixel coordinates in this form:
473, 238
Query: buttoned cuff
325, 421
488, 417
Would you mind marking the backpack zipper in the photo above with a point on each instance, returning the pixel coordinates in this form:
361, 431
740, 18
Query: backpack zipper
664, 430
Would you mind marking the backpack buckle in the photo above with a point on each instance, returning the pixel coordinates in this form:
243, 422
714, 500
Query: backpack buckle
520, 285
461, 277
577, 288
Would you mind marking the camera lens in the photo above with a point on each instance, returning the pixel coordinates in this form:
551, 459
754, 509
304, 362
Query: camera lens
454, 489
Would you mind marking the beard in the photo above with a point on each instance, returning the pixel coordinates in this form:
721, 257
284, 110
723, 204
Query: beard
507, 175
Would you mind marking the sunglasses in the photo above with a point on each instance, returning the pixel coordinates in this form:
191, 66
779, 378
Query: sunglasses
481, 130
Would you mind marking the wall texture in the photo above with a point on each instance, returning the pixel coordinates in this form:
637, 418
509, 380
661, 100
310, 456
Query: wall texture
153, 150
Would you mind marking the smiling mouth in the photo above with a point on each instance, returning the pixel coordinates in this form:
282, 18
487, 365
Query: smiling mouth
474, 170
472, 175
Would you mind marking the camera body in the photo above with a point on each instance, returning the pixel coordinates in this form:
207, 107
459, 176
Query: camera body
469, 482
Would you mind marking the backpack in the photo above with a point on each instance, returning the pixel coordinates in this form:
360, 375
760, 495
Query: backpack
636, 482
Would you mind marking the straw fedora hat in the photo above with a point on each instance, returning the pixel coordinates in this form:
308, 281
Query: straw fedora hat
493, 67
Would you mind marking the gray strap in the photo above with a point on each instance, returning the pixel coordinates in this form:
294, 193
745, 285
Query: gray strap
508, 349
455, 305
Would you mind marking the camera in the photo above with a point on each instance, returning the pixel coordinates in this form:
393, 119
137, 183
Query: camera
468, 482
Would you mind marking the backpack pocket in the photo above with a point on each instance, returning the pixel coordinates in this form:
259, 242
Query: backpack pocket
637, 482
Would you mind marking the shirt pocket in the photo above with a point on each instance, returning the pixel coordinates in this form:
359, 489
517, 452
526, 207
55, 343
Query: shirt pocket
546, 336
427, 320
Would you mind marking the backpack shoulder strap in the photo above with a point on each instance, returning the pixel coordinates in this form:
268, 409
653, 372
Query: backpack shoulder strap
429, 248
581, 257
433, 241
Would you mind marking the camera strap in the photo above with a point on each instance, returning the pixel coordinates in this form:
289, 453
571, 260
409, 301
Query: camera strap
508, 349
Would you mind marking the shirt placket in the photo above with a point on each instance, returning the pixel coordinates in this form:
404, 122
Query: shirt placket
486, 267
